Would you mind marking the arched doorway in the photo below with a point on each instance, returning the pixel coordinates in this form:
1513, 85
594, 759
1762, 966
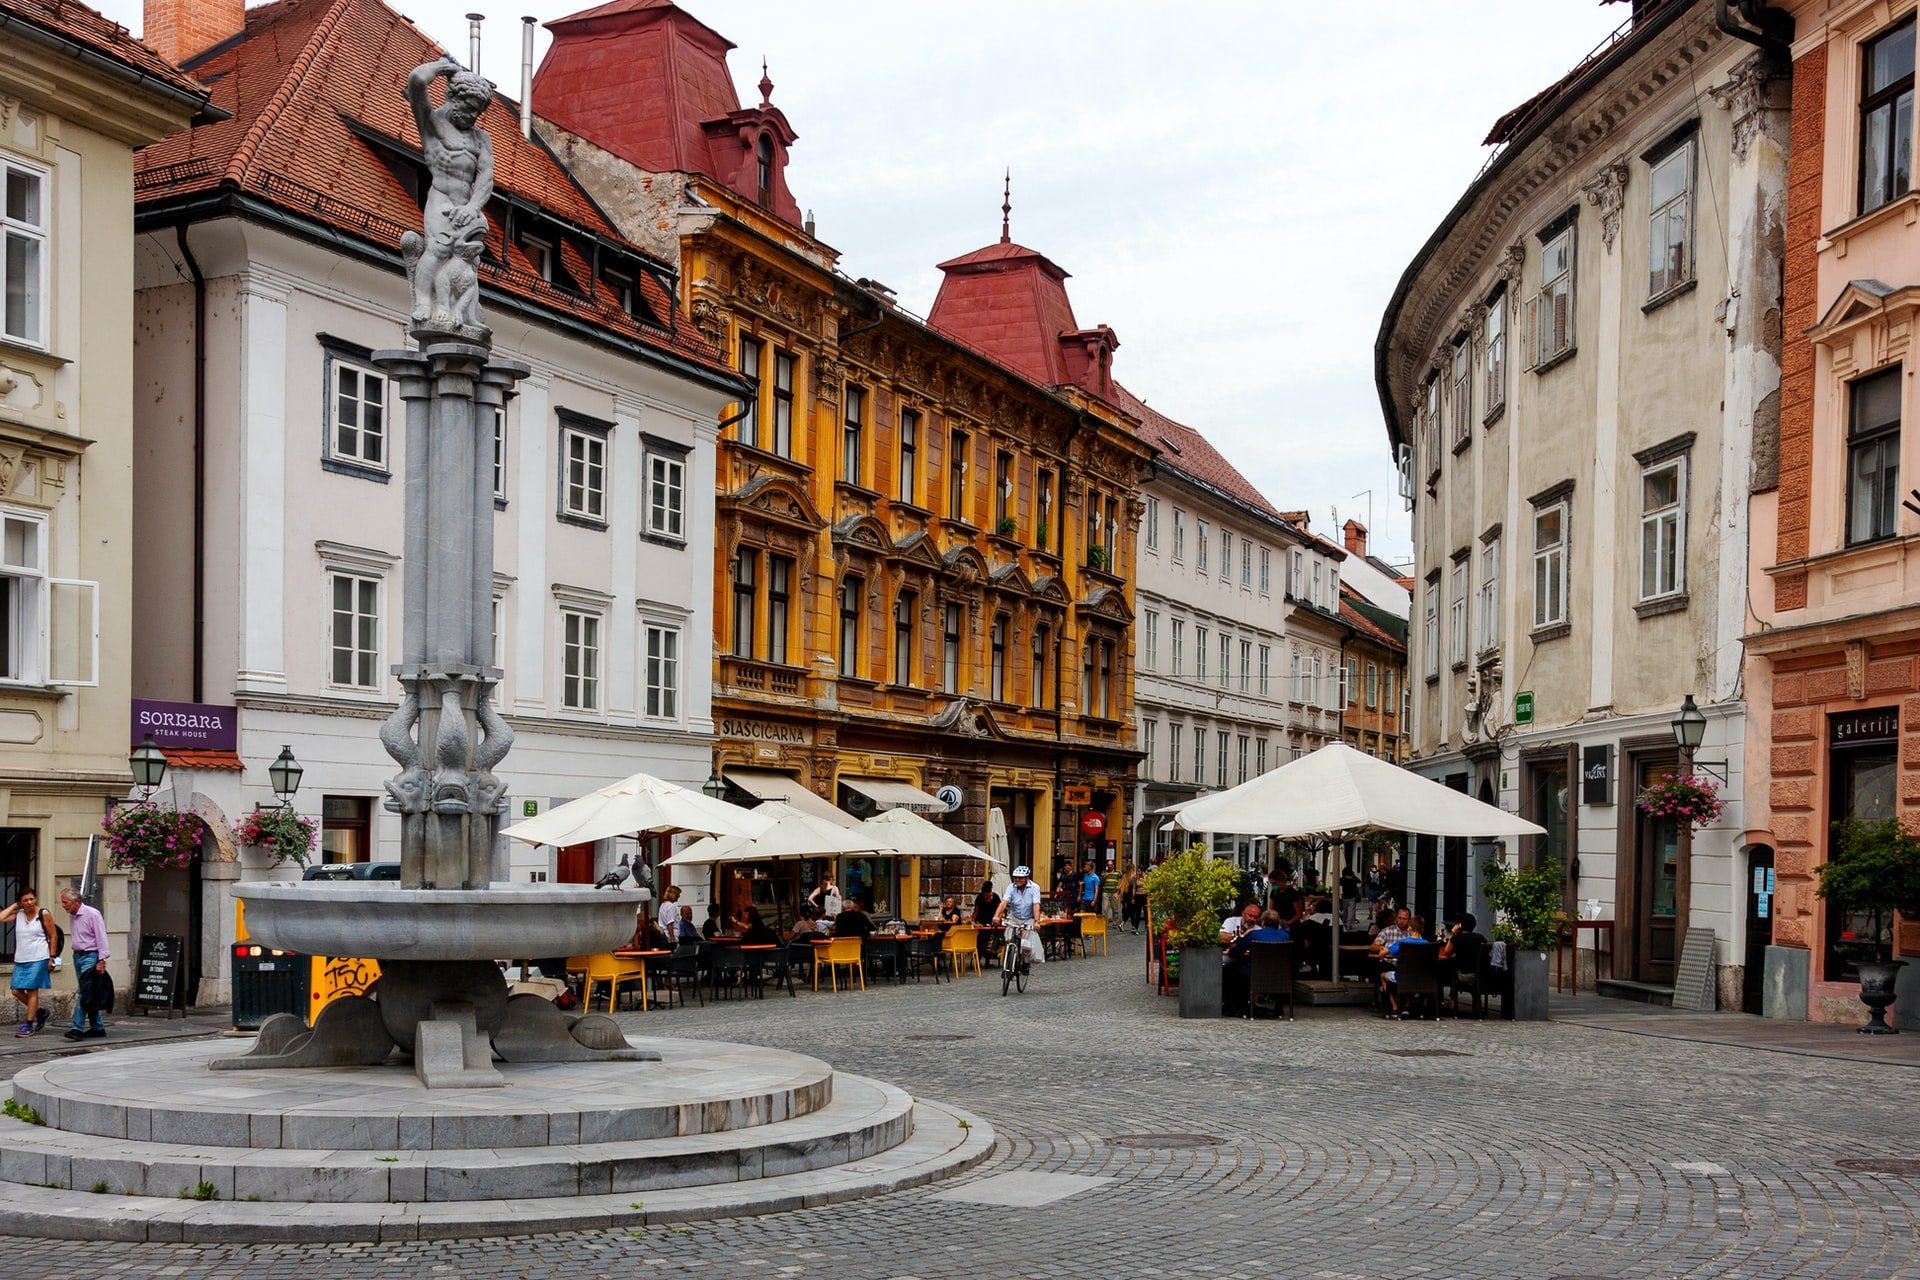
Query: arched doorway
171, 906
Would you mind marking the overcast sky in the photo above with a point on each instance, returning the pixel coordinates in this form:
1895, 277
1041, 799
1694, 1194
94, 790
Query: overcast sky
1234, 185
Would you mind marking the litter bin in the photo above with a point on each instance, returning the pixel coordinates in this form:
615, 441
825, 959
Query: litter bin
265, 982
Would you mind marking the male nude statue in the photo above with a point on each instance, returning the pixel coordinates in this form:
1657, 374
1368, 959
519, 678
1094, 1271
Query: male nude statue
441, 263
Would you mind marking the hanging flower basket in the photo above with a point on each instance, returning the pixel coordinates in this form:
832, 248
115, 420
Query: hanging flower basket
144, 836
281, 832
1684, 797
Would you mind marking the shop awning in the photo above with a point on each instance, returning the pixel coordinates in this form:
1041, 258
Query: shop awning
888, 793
769, 784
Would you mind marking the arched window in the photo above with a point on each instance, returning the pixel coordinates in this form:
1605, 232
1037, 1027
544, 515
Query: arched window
765, 170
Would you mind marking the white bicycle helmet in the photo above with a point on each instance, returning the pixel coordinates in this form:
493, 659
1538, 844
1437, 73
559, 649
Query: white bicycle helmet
1023, 873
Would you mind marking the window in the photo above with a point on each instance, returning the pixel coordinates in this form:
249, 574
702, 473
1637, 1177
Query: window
1296, 569
1295, 690
1226, 556
1179, 534
950, 649
1266, 573
49, 627
1670, 219
1200, 550
1430, 425
620, 285
1002, 491
1350, 682
540, 255
1113, 535
1105, 702
1220, 759
1226, 661
1148, 732
499, 455
666, 493
1316, 583
852, 434
745, 600
583, 470
356, 630
1042, 649
358, 430
1460, 412
1152, 629
496, 644
1266, 661
850, 588
1179, 645
1373, 686
1173, 752
909, 456
1199, 754
1886, 130
1246, 564
998, 669
1496, 356
957, 476
905, 606
779, 600
1663, 530
1550, 565
747, 430
663, 671
783, 404
1552, 307
346, 828
763, 171
579, 660
1488, 628
1153, 523
1316, 684
1873, 457
25, 228
1246, 666
1430, 629
1043, 523
1457, 613
1200, 653
1241, 744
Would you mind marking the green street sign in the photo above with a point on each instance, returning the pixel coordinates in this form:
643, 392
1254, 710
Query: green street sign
1523, 707
531, 808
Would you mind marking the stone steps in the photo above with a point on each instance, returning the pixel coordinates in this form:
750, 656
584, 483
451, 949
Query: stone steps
943, 1141
864, 1117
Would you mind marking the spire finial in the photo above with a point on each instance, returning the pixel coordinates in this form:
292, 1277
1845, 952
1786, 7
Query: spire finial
1006, 207
766, 85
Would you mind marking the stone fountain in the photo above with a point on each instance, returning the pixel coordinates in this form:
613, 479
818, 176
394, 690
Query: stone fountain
437, 935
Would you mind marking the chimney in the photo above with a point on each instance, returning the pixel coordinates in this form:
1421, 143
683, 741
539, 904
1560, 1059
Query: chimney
1298, 519
179, 29
526, 76
1356, 537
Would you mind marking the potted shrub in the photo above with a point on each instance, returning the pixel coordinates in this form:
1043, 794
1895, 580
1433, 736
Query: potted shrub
281, 833
1875, 868
1006, 527
1192, 892
1097, 557
1527, 903
143, 836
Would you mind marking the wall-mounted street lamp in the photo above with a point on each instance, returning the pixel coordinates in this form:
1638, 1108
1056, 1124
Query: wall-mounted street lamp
285, 773
714, 788
149, 765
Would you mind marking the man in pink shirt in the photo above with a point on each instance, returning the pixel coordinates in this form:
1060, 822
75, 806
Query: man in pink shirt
89, 933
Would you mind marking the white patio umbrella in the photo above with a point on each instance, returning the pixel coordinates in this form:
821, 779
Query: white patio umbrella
789, 833
1337, 794
637, 805
906, 832
999, 850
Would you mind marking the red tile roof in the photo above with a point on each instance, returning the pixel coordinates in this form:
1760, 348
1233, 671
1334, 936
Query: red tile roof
83, 25
182, 758
1188, 452
305, 84
1351, 615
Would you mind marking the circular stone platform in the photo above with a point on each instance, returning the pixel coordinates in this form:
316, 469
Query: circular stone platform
368, 1153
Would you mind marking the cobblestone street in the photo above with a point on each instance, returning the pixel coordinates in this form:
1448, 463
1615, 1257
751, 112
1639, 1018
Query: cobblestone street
1349, 1148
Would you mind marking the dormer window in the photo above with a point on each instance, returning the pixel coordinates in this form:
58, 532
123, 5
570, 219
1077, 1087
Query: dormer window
763, 171
542, 255
620, 285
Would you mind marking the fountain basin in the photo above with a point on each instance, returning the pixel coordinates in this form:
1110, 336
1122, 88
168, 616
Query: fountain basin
500, 922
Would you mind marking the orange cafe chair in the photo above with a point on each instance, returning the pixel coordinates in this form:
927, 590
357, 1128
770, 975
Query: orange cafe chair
1093, 928
833, 955
608, 969
961, 947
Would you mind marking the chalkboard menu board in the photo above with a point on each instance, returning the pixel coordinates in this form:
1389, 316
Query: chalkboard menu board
156, 974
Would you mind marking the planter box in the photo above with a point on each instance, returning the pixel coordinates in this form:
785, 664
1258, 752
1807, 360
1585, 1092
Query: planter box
1530, 984
1199, 982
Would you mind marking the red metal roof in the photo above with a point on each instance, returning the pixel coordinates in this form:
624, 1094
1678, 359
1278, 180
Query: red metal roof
1008, 302
1191, 454
305, 82
647, 81
79, 23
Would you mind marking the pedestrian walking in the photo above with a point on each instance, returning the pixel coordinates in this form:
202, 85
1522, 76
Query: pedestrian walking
33, 934
89, 930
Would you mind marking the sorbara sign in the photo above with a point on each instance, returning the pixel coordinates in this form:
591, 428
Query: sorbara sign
763, 731
194, 726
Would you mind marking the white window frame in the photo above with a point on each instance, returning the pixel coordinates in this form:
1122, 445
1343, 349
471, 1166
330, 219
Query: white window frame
1246, 666
1149, 731
1152, 645
1226, 555
1266, 663
666, 484
581, 686
1556, 297
662, 659
1153, 523
1677, 207
1460, 412
356, 455
1550, 567
1666, 527
1199, 652
499, 455
1179, 535
1266, 572
40, 236
1495, 360
1430, 630
1200, 546
360, 577
1488, 595
1226, 661
39, 639
1457, 613
585, 500
1296, 572
1179, 633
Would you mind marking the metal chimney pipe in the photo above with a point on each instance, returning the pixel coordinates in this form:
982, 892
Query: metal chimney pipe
526, 76
473, 40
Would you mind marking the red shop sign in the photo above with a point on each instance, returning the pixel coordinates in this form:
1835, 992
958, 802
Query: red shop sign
1093, 822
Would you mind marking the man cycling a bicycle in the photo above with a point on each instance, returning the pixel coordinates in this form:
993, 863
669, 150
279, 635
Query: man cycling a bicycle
1021, 905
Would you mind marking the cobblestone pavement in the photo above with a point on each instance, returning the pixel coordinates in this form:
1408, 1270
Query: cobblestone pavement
1497, 1150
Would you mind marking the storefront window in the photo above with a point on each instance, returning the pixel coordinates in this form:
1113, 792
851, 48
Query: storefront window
346, 824
1863, 788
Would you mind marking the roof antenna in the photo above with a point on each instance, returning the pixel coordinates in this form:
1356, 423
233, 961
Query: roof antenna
766, 86
1006, 207
473, 41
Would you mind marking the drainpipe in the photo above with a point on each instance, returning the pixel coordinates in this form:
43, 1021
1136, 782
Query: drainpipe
1759, 24
199, 460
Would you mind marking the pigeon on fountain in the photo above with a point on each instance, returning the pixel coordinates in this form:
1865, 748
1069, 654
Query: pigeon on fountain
615, 876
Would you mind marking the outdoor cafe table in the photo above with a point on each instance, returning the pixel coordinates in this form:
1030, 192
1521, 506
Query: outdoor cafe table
1053, 936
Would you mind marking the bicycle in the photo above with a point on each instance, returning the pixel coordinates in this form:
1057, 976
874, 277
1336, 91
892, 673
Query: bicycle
1015, 964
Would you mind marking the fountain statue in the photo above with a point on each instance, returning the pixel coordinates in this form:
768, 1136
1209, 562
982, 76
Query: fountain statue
441, 997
